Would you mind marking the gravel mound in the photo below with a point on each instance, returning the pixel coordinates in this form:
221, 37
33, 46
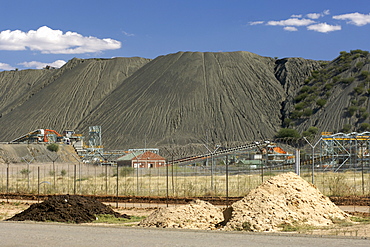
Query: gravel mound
285, 199
197, 214
65, 208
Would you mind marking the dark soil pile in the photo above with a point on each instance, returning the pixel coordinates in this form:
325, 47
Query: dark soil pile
66, 208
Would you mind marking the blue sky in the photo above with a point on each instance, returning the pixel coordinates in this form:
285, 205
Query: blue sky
36, 33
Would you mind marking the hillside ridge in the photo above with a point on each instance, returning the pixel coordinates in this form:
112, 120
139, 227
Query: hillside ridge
188, 98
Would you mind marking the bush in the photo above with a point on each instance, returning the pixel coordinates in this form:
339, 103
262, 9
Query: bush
286, 132
307, 112
359, 90
365, 115
362, 100
287, 121
321, 102
364, 75
25, 172
347, 80
336, 78
63, 172
53, 147
296, 114
352, 110
301, 97
346, 128
329, 86
299, 106
313, 130
364, 126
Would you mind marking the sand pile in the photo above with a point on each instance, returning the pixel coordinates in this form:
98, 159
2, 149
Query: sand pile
195, 215
284, 199
66, 208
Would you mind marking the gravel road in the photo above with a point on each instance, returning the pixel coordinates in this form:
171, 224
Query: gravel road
52, 234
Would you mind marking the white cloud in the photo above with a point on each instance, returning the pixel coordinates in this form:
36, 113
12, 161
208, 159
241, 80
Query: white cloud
354, 18
128, 34
324, 28
52, 41
291, 22
291, 29
314, 15
296, 16
5, 66
256, 23
40, 65
318, 15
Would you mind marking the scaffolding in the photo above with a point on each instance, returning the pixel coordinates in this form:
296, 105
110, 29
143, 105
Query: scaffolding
345, 151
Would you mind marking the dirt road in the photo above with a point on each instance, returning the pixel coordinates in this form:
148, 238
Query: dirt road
49, 234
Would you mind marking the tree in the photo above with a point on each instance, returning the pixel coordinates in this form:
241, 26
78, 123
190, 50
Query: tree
286, 132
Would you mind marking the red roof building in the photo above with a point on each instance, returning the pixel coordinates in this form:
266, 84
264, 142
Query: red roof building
142, 160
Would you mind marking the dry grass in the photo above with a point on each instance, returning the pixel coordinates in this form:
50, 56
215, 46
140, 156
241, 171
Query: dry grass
182, 181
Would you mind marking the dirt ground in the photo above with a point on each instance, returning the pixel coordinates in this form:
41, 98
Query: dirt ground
9, 209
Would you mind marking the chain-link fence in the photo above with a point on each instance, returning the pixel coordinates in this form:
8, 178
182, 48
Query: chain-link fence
193, 180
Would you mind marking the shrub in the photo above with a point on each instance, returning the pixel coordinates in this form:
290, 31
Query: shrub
362, 100
307, 112
313, 130
364, 126
287, 121
352, 110
328, 86
336, 78
25, 172
286, 132
347, 80
301, 97
305, 89
296, 114
364, 74
365, 115
359, 90
299, 106
362, 110
53, 147
359, 65
359, 51
321, 102
346, 128
63, 173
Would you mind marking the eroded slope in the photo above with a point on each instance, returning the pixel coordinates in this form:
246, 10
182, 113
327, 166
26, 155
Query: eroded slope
70, 96
188, 97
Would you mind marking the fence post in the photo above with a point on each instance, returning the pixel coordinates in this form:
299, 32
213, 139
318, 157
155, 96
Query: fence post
117, 190
227, 181
7, 182
297, 167
74, 180
38, 184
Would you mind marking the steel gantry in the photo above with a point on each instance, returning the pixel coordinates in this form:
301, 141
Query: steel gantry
345, 151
